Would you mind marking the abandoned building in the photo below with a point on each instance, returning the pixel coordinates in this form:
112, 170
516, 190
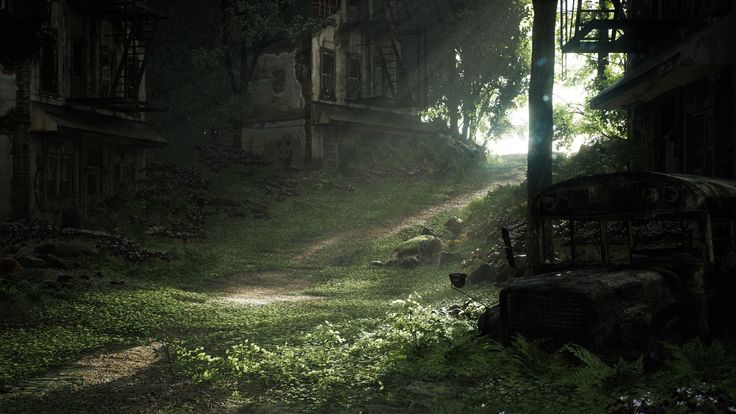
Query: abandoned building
72, 104
678, 87
359, 78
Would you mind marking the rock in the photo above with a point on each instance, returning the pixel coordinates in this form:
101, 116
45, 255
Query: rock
50, 285
32, 262
65, 249
448, 257
424, 246
407, 262
489, 322
454, 225
376, 263
484, 273
426, 231
9, 265
23, 252
117, 282
64, 278
85, 277
54, 262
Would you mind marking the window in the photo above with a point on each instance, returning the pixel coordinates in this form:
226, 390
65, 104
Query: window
379, 87
327, 76
49, 65
106, 75
354, 85
59, 175
78, 69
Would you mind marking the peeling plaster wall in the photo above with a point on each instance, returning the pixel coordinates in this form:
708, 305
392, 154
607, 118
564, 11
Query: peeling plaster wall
274, 92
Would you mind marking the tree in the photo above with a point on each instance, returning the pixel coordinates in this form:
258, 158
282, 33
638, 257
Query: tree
480, 64
541, 82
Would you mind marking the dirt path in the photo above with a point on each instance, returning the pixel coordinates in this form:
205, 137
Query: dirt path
271, 287
395, 226
139, 378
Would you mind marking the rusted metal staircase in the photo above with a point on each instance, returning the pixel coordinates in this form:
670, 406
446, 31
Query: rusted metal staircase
135, 26
395, 14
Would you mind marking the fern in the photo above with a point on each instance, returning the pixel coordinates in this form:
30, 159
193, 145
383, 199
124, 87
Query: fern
695, 361
597, 376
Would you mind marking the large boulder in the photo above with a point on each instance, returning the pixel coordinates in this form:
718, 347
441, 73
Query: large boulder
424, 246
8, 265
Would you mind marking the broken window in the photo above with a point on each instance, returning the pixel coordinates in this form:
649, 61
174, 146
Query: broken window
106, 74
354, 77
327, 77
78, 69
49, 64
59, 174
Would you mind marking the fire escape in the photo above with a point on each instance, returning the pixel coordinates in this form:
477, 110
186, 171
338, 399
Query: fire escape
136, 25
603, 27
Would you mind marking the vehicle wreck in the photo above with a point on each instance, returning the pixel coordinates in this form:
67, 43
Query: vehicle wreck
636, 287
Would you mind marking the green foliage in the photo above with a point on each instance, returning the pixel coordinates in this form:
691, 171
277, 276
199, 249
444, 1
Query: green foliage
481, 67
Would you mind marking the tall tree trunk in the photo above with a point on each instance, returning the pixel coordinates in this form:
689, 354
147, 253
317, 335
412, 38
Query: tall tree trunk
539, 159
452, 98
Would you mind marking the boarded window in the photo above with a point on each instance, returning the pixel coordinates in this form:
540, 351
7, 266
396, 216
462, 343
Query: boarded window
354, 85
327, 77
49, 64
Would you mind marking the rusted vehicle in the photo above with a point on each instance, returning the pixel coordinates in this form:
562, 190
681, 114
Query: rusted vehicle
636, 258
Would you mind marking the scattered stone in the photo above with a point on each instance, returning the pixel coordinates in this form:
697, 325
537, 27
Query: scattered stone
85, 277
117, 282
454, 225
448, 257
50, 285
55, 262
377, 263
32, 262
9, 265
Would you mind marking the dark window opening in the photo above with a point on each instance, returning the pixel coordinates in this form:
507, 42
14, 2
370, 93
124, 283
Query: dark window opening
49, 65
327, 78
354, 85
379, 80
59, 175
78, 69
106, 72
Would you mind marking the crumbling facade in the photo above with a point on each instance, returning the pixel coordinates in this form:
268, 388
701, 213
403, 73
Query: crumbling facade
360, 77
72, 104
678, 89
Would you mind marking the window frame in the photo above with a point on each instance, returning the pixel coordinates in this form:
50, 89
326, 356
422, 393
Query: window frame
354, 83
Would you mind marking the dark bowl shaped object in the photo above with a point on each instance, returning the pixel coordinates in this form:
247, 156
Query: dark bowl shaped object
458, 279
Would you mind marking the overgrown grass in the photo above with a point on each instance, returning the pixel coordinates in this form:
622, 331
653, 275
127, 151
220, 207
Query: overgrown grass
158, 299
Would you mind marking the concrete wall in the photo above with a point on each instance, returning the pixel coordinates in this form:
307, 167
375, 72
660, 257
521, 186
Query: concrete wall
275, 92
278, 142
